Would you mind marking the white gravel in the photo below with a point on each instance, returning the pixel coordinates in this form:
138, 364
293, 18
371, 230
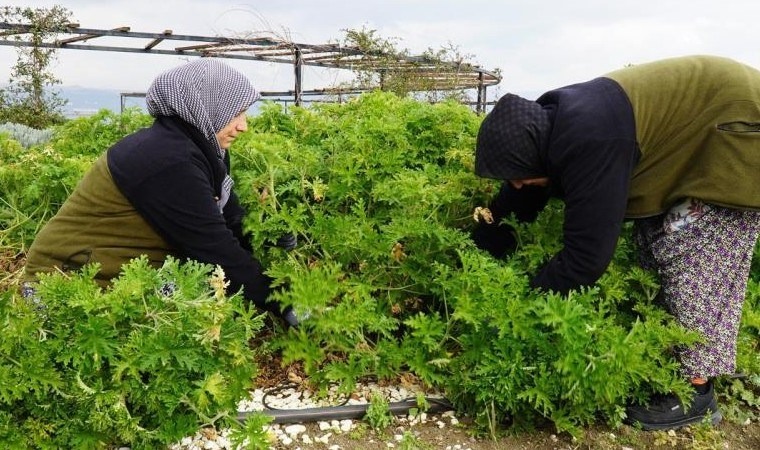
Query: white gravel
297, 435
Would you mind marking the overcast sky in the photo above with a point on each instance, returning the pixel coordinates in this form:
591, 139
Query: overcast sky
537, 44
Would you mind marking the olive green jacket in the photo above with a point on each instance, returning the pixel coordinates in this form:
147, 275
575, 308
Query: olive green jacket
95, 224
698, 130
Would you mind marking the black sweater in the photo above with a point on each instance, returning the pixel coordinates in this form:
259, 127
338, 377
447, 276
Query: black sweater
592, 152
172, 176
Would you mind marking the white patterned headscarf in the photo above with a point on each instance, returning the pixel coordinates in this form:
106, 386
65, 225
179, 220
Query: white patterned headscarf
207, 94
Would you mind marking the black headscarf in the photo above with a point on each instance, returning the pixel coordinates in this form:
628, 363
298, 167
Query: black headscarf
512, 140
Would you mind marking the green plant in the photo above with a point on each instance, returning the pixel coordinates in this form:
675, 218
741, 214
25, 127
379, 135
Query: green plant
26, 136
707, 437
378, 415
359, 432
253, 435
38, 179
740, 395
28, 99
143, 363
411, 442
698, 437
368, 222
92, 135
422, 404
381, 192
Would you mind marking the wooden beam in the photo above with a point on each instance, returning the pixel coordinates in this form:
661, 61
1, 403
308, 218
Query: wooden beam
264, 53
201, 46
85, 37
157, 41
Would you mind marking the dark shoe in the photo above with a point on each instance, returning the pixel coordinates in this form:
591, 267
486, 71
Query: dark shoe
666, 412
294, 318
287, 241
289, 315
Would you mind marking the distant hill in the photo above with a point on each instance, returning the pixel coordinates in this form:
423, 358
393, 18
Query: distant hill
82, 101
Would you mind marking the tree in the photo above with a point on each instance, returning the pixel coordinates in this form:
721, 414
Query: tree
29, 99
433, 76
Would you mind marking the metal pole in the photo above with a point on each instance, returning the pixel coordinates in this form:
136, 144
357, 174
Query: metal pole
298, 66
481, 108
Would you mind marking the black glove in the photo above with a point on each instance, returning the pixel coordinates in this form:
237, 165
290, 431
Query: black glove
497, 239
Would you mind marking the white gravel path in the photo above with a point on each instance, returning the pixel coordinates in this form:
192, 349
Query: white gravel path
299, 437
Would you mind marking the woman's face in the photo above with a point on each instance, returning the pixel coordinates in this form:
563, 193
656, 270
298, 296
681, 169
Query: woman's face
227, 135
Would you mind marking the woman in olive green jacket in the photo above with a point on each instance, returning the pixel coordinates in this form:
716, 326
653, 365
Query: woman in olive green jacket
673, 145
166, 189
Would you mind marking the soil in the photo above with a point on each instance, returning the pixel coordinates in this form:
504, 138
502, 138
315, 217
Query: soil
11, 263
725, 436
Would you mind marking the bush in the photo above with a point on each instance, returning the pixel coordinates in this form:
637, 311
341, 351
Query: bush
143, 363
381, 193
26, 136
42, 177
90, 136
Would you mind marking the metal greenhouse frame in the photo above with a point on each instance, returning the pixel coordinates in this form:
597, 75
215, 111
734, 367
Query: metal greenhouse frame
438, 75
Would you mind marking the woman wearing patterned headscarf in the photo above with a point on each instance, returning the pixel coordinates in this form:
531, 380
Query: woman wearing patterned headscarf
673, 145
164, 190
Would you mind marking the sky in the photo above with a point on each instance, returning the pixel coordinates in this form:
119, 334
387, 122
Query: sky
537, 44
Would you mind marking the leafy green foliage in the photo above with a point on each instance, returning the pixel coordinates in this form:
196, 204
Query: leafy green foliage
42, 176
380, 192
375, 189
378, 414
253, 434
90, 136
144, 362
743, 393
411, 442
40, 179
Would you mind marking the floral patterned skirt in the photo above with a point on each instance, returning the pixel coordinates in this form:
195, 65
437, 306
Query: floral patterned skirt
702, 254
